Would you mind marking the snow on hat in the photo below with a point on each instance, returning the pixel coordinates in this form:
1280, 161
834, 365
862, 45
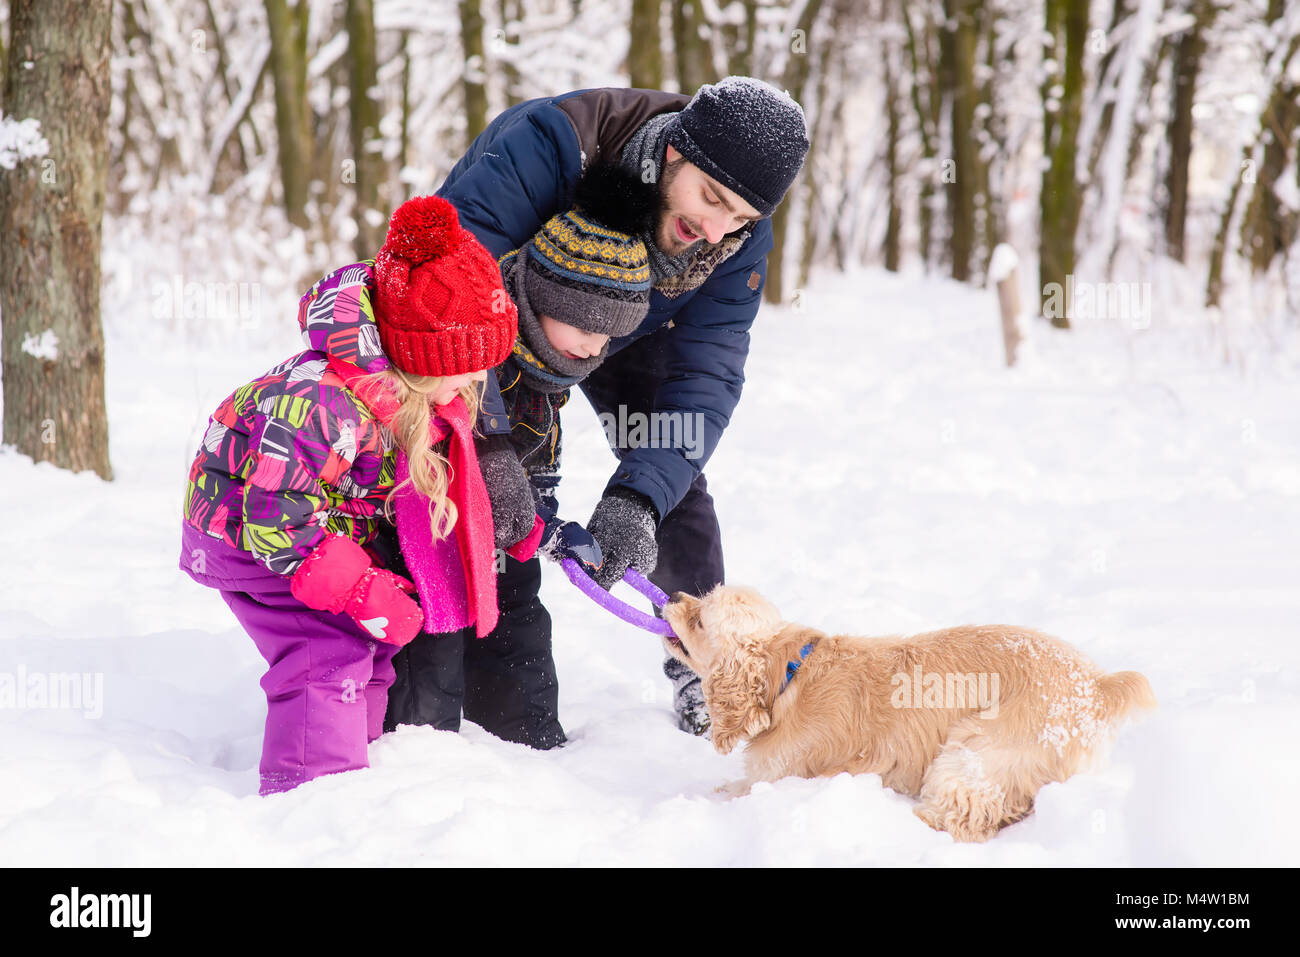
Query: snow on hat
440, 305
589, 267
748, 135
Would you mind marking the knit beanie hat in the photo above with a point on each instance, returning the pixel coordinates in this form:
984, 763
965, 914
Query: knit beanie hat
439, 302
746, 134
588, 267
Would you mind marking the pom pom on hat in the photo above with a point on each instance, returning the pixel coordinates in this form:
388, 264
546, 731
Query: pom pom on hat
617, 199
438, 301
423, 229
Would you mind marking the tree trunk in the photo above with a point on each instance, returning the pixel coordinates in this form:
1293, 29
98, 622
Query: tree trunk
927, 122
223, 62
1059, 199
1092, 139
796, 78
288, 30
894, 225
1245, 172
1187, 67
645, 61
690, 49
1214, 281
50, 218
992, 208
474, 85
364, 127
957, 57
1268, 227
510, 14
404, 146
830, 64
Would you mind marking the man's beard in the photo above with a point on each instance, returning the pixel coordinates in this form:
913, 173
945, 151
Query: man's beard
667, 238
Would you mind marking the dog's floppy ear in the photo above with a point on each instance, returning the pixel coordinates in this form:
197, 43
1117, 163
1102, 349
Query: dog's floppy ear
738, 694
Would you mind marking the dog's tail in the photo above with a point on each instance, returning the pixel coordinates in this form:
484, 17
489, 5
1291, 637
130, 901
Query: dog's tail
1124, 692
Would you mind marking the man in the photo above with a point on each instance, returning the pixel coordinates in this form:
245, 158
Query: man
723, 160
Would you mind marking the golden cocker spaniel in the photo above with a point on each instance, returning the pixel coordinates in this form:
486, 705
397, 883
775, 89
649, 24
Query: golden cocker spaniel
971, 720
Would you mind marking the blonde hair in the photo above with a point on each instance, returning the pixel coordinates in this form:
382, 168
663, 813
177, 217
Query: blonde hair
430, 472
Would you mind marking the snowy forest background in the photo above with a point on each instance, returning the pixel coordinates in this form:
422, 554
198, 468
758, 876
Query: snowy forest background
249, 146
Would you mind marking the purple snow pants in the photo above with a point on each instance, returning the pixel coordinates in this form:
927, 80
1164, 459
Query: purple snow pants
327, 684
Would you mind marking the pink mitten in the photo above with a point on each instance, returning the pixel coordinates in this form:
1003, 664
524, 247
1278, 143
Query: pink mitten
338, 577
381, 603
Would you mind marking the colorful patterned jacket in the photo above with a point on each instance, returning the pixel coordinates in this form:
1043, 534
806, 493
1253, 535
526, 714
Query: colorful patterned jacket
294, 456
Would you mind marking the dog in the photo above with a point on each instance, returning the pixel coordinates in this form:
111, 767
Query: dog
972, 720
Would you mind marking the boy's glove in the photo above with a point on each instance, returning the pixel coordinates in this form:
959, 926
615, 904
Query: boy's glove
338, 577
508, 490
623, 524
562, 539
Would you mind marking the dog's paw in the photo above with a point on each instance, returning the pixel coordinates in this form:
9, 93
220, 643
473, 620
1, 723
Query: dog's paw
960, 826
734, 789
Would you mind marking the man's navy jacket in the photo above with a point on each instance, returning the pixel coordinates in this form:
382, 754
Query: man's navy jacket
522, 170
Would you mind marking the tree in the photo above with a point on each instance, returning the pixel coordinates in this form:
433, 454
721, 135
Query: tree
288, 29
1259, 224
1187, 67
957, 56
1269, 226
364, 127
50, 216
690, 50
926, 101
795, 81
645, 62
1067, 26
472, 82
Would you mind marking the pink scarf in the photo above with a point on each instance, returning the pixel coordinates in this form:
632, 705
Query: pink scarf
446, 606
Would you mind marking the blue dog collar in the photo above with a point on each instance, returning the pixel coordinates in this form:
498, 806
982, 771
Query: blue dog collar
792, 667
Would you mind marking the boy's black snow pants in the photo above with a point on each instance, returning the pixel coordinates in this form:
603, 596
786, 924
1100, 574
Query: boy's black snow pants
505, 682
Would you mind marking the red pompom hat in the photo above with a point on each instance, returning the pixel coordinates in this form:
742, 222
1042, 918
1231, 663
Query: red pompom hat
439, 302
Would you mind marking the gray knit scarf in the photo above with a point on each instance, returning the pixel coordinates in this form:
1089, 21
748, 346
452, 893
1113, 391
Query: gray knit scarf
646, 150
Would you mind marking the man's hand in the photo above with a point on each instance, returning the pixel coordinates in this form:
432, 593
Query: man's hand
623, 524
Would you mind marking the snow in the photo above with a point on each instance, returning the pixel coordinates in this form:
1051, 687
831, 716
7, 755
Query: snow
1287, 192
1002, 263
44, 346
20, 140
1128, 492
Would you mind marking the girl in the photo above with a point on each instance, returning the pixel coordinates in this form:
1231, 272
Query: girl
310, 477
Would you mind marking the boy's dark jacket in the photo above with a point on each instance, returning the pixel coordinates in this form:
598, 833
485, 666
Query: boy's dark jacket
521, 171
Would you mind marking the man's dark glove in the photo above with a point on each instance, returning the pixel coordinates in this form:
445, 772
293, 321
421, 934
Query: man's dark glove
507, 488
561, 539
623, 524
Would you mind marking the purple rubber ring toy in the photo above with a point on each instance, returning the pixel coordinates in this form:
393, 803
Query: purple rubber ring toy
619, 608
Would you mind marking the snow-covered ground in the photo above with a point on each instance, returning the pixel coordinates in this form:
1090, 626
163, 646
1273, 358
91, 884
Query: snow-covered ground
884, 473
